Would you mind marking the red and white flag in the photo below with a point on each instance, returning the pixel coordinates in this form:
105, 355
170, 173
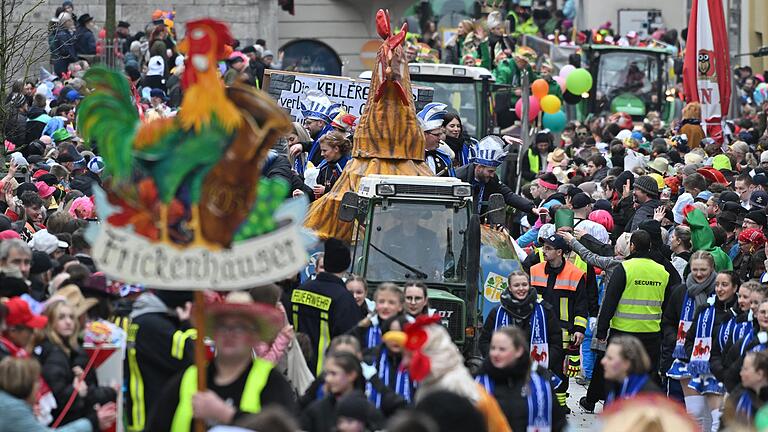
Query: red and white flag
707, 66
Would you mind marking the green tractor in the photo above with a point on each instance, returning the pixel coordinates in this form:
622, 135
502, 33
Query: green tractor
634, 80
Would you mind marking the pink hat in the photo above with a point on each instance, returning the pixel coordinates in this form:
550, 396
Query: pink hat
44, 190
82, 208
603, 218
9, 234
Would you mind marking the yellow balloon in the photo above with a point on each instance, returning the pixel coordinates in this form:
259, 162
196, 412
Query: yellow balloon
550, 104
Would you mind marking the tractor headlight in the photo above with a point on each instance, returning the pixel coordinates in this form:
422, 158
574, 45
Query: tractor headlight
385, 189
462, 191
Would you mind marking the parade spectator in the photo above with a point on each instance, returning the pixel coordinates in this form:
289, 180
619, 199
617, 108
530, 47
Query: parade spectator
85, 40
323, 308
335, 149
358, 286
416, 296
63, 50
463, 146
507, 370
626, 366
389, 300
248, 383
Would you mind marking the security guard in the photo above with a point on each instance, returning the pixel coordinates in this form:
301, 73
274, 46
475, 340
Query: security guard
157, 349
238, 383
635, 297
562, 284
323, 308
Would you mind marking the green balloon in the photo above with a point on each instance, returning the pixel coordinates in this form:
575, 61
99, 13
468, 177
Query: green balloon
579, 81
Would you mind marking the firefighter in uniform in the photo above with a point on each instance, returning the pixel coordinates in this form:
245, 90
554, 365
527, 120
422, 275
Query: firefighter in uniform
323, 308
157, 349
562, 284
238, 382
634, 301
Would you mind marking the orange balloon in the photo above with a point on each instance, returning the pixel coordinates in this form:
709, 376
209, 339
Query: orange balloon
540, 88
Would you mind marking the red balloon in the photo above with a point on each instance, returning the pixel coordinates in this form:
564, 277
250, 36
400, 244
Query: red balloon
533, 108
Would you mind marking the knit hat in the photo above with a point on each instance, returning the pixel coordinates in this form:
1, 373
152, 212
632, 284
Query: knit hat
752, 235
41, 262
721, 162
353, 406
603, 204
336, 258
757, 216
648, 185
621, 180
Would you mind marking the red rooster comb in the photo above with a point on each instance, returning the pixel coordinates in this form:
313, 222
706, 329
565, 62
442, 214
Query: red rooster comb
384, 29
222, 35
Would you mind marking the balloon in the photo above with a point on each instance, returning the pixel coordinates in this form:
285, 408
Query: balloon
566, 70
571, 98
540, 88
554, 122
579, 81
561, 82
550, 104
533, 108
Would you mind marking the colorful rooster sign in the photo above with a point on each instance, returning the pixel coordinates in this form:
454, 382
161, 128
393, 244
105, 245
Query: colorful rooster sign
184, 205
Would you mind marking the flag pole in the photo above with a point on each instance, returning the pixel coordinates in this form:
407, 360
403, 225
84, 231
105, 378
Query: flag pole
198, 318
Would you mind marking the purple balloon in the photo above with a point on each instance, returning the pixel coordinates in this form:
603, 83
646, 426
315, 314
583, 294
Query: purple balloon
561, 82
566, 70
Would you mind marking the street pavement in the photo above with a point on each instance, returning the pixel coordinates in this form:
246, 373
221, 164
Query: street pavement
578, 420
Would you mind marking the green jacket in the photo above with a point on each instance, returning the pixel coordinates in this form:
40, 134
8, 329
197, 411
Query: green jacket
507, 72
554, 88
702, 238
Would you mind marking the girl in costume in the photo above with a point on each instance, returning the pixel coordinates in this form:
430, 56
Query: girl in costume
464, 147
745, 400
358, 286
334, 148
386, 359
711, 329
755, 341
389, 303
433, 361
519, 307
343, 377
523, 388
626, 366
417, 300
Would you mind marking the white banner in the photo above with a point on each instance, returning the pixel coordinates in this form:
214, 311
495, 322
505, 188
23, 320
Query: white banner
131, 258
287, 89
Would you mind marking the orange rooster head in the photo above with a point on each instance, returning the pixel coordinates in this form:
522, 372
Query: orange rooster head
205, 43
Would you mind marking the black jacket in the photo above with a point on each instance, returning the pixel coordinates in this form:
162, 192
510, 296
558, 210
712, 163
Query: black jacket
56, 366
734, 359
613, 293
527, 171
510, 391
155, 333
723, 313
576, 302
467, 174
86, 41
342, 311
277, 166
276, 391
320, 416
554, 334
670, 319
643, 213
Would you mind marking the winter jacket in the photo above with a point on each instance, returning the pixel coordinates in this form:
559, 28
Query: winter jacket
613, 293
63, 52
554, 334
159, 346
36, 121
277, 166
607, 263
18, 416
757, 401
56, 366
575, 302
276, 391
467, 174
510, 390
724, 311
86, 41
15, 128
320, 416
643, 213
670, 319
600, 174
734, 358
342, 312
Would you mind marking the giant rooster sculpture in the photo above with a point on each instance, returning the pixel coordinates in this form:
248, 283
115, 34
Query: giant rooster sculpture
189, 180
388, 139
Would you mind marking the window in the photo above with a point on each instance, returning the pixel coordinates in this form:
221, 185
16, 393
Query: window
311, 56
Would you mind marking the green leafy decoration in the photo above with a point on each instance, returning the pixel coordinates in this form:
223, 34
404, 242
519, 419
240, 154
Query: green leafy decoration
271, 194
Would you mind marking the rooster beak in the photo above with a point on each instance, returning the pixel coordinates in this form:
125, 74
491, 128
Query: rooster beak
183, 46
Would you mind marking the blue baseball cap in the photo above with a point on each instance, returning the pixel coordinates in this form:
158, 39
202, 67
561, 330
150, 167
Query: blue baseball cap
73, 95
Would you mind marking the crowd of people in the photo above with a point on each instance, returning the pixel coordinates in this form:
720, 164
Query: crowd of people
642, 270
